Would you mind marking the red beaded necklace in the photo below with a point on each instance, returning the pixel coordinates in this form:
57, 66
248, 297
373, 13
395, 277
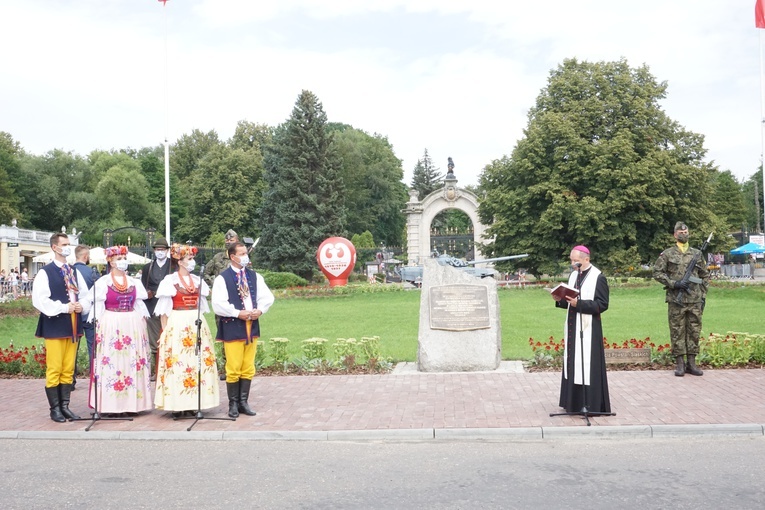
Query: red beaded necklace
120, 287
188, 286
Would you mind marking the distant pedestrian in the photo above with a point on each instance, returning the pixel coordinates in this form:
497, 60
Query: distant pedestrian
24, 281
14, 275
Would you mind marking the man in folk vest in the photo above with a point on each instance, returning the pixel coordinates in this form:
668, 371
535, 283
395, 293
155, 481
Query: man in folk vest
239, 297
60, 294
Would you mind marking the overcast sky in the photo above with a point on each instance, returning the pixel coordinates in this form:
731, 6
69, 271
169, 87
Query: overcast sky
455, 77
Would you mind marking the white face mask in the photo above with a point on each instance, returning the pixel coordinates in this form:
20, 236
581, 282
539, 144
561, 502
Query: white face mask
121, 264
244, 260
190, 265
160, 254
65, 251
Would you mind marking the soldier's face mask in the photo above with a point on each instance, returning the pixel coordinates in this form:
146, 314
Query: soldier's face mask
682, 236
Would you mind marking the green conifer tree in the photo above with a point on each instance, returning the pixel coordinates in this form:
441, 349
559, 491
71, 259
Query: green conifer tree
303, 203
426, 177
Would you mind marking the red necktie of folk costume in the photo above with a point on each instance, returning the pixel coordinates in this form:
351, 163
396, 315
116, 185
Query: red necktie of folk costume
71, 287
244, 291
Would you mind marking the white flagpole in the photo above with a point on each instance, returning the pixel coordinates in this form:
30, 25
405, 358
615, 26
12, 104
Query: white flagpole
167, 142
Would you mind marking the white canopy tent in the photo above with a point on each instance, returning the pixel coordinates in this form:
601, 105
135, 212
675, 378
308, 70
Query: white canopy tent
97, 256
47, 258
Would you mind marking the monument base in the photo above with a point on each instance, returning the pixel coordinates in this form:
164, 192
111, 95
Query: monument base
459, 321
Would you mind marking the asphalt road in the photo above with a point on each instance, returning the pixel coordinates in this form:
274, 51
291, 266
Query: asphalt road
575, 473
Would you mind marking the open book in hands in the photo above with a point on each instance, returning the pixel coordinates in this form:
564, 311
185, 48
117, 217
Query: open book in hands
563, 291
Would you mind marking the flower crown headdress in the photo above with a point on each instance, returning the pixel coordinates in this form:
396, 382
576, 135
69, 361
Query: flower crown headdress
113, 251
180, 251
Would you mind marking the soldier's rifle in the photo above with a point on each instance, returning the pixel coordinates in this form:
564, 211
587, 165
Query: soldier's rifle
688, 277
250, 244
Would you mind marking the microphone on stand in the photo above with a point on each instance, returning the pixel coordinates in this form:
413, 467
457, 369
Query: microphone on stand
198, 322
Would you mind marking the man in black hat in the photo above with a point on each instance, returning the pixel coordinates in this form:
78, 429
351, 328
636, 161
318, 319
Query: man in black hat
685, 299
151, 276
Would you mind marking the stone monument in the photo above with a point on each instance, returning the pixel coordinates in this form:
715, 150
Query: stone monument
459, 321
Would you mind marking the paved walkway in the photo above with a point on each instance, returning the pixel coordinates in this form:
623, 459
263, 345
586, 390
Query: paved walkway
421, 406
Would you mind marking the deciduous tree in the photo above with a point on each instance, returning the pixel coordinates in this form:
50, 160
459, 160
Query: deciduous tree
600, 164
10, 165
372, 177
224, 192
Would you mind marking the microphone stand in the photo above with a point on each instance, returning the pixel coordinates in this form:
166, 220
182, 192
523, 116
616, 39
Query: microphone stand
95, 415
198, 415
584, 412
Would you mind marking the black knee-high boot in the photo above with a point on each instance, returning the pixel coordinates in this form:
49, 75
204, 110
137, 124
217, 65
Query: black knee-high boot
65, 391
232, 389
54, 401
244, 395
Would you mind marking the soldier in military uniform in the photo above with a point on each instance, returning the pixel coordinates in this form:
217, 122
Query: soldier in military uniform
219, 263
685, 298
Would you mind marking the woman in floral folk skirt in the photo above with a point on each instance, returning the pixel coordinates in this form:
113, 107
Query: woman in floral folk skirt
178, 374
120, 378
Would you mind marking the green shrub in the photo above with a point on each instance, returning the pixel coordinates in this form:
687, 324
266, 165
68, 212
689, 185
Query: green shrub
732, 349
260, 354
314, 348
346, 350
282, 280
279, 351
357, 278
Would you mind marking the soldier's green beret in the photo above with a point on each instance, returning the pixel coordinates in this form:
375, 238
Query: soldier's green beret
680, 226
231, 234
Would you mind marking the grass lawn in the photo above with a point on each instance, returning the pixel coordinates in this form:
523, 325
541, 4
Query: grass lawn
637, 312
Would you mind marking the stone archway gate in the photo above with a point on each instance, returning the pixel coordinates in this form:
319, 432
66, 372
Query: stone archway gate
420, 215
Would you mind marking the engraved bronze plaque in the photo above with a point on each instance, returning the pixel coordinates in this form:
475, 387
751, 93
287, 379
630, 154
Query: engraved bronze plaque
459, 307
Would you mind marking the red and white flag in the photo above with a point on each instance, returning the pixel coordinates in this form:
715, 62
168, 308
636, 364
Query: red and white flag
759, 14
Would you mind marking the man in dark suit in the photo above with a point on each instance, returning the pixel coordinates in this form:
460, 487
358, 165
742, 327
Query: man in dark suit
151, 276
90, 275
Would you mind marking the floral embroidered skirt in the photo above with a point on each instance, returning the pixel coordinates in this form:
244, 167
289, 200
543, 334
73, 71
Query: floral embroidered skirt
121, 364
178, 368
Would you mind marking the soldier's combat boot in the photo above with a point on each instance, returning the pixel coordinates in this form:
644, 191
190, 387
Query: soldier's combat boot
232, 389
64, 391
680, 369
244, 395
55, 404
691, 368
